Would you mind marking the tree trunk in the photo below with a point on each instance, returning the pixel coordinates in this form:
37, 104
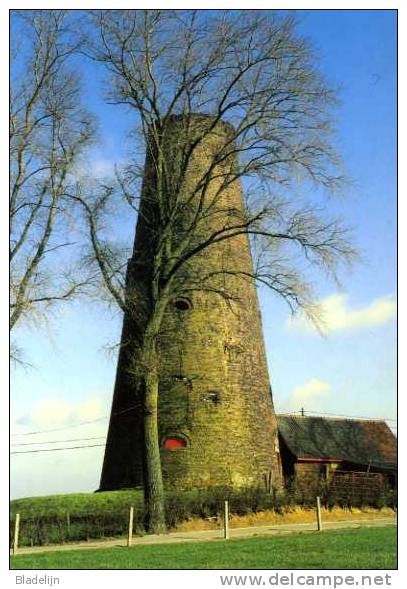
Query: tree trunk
154, 499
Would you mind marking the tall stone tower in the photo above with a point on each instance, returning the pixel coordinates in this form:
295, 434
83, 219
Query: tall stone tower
216, 418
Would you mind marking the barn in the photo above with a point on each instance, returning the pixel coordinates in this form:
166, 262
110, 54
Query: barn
355, 454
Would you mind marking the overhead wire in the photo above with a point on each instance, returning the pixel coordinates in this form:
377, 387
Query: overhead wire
59, 429
136, 406
57, 449
311, 413
58, 441
392, 427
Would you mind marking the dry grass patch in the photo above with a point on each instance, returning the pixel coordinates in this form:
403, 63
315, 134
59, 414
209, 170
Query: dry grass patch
295, 515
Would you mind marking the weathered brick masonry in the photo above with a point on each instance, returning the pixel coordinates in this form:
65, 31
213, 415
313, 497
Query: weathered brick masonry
216, 417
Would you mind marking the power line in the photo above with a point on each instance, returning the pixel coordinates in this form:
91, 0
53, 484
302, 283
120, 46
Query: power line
135, 407
58, 441
59, 429
355, 416
101, 445
58, 449
310, 413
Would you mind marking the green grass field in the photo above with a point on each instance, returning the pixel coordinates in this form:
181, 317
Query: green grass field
75, 517
365, 548
76, 503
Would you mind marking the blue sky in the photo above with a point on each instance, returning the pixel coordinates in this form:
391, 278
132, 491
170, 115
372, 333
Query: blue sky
350, 371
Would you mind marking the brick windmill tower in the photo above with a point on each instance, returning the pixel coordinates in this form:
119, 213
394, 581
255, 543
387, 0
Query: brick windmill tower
216, 418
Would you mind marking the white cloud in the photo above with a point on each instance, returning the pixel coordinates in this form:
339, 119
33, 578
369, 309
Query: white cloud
66, 422
49, 473
54, 412
337, 315
101, 167
309, 395
50, 411
95, 168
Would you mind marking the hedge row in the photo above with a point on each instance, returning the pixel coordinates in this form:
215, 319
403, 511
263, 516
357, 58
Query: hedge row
105, 519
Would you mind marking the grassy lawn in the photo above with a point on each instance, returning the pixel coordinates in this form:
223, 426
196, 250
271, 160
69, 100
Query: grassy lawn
76, 503
75, 517
365, 548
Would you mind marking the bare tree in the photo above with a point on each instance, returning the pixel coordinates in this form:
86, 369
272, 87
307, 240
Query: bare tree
252, 75
49, 130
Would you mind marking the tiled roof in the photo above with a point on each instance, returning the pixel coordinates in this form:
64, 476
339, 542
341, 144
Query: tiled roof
352, 440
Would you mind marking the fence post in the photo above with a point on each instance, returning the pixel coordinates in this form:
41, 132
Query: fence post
226, 521
16, 533
130, 534
319, 518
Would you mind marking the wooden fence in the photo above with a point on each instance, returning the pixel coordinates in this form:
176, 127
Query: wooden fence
356, 487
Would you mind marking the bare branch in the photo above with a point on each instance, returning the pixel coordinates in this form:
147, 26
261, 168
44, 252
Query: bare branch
48, 132
219, 101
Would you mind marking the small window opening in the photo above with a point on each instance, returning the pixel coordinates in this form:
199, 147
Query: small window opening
180, 378
174, 443
212, 397
182, 304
